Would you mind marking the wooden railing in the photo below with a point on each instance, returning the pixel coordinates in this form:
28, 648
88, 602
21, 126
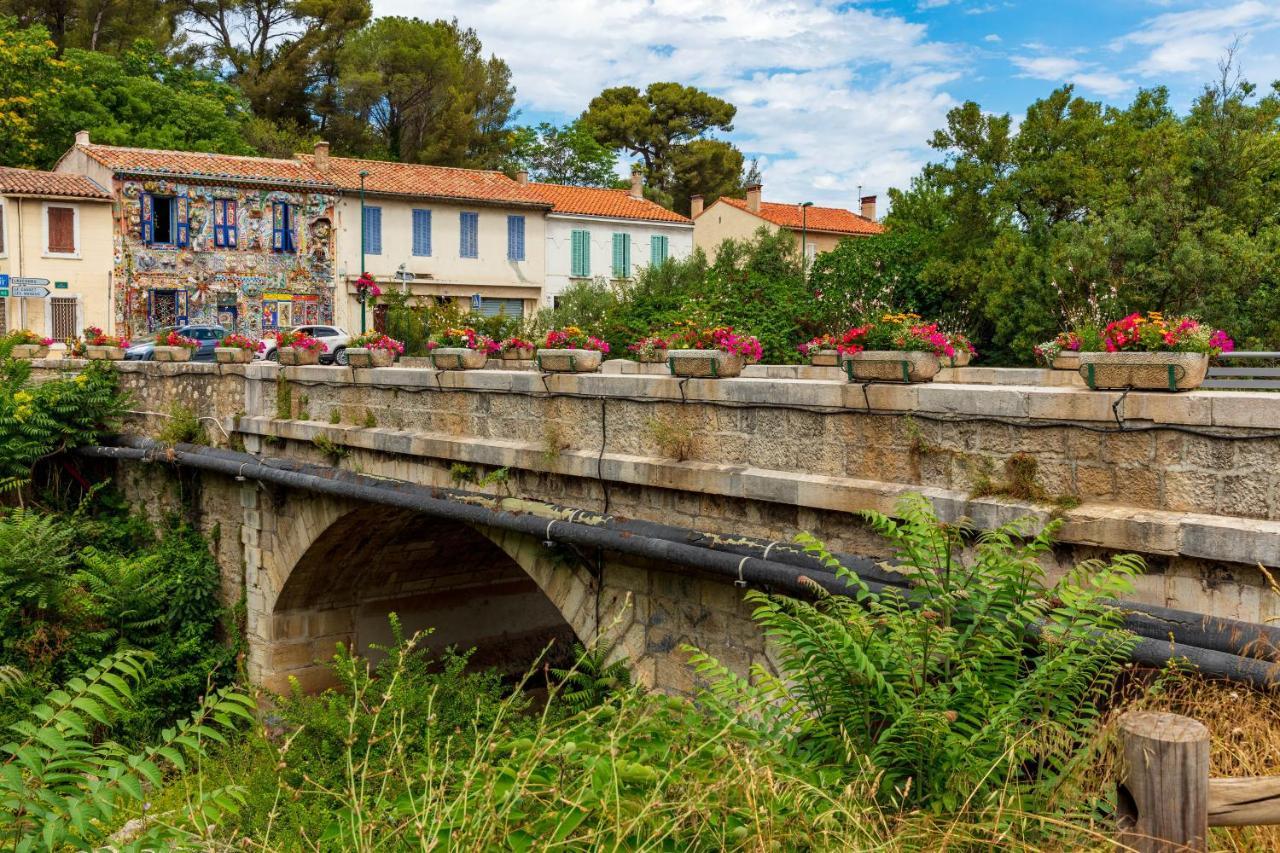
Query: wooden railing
1166, 801
1245, 378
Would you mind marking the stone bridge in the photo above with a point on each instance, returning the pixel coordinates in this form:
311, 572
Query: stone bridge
1189, 481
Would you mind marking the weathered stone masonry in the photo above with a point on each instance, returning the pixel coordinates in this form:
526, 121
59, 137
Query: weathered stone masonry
1190, 482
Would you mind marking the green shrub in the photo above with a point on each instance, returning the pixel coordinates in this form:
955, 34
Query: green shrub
977, 683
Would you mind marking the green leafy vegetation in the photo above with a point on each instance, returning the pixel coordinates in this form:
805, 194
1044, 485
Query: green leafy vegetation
183, 427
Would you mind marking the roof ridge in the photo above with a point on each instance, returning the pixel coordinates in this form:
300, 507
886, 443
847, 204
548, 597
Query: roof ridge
413, 165
92, 145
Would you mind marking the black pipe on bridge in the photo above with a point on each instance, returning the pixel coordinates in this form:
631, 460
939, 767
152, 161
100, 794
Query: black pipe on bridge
1214, 646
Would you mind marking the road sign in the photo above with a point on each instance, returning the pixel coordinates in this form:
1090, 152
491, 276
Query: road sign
4, 279
28, 291
19, 280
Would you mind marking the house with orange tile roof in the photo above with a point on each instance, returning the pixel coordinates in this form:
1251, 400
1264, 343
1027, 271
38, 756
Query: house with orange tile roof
55, 229
594, 232
472, 236
245, 242
820, 229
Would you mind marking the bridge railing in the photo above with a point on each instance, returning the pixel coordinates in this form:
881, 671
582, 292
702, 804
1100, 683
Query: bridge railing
1166, 800
1252, 371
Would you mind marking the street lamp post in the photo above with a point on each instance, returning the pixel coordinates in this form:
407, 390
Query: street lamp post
804, 237
364, 173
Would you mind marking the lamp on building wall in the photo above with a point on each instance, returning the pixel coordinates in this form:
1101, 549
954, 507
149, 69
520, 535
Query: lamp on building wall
364, 173
804, 235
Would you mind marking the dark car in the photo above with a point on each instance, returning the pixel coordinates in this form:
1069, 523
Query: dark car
207, 337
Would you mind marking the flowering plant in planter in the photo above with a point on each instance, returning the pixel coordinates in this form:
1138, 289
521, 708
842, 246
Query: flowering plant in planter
650, 350
571, 337
244, 342
1152, 352
1065, 344
98, 338
373, 349
26, 337
722, 338
173, 339
713, 353
963, 349
819, 344
377, 340
514, 348
467, 338
299, 341
367, 288
896, 348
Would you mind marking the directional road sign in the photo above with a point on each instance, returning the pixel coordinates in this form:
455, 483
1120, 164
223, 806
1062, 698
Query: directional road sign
28, 291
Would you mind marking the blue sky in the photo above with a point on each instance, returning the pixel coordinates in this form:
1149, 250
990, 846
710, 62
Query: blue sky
834, 95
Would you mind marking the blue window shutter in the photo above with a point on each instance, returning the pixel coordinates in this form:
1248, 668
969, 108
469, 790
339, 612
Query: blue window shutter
219, 222
422, 233
232, 227
147, 204
657, 250
626, 255
287, 225
621, 255
469, 238
277, 227
515, 238
372, 230
182, 225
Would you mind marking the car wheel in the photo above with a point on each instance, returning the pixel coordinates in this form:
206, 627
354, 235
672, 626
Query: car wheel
340, 356
274, 355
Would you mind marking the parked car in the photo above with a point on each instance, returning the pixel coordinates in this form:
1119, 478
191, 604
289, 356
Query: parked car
207, 337
333, 337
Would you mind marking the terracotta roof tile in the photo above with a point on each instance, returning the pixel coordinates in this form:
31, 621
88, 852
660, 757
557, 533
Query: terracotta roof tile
834, 220
595, 201
413, 179
66, 184
197, 164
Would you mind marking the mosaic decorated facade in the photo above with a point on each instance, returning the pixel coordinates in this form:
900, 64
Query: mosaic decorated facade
252, 259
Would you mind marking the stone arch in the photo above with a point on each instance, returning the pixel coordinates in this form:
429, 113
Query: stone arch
330, 570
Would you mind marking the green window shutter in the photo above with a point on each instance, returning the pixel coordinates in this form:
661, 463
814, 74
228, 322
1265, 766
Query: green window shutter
581, 254
621, 255
657, 250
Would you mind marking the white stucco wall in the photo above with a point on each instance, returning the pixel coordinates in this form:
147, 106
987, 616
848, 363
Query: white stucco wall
560, 227
445, 272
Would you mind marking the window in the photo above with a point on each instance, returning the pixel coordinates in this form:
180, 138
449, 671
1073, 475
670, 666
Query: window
515, 238
164, 220
658, 249
225, 227
282, 237
1, 229
621, 255
60, 230
372, 230
512, 308
469, 239
422, 233
62, 318
581, 254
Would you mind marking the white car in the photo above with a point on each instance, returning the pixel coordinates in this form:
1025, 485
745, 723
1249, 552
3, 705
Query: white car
334, 338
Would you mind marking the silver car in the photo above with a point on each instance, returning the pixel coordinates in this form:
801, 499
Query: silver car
334, 338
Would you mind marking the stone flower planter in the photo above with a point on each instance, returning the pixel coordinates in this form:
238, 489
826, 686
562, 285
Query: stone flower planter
370, 357
704, 363
522, 354
568, 360
96, 353
1067, 360
825, 358
891, 366
658, 356
457, 358
294, 357
172, 354
1150, 371
961, 358
30, 351
232, 355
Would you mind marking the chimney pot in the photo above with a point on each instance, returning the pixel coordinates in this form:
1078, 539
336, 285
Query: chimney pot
868, 206
695, 206
82, 137
637, 184
322, 156
522, 176
753, 197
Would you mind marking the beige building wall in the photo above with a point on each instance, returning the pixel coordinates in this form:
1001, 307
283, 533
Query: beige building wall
86, 273
721, 222
445, 272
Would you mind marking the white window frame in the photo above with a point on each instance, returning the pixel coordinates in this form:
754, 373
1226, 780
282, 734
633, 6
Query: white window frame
48, 311
44, 229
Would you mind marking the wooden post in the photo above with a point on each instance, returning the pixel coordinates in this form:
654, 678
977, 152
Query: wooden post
1162, 804
1244, 802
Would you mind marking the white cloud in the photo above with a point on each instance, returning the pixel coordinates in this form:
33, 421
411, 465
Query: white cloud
1192, 42
1066, 69
828, 94
993, 38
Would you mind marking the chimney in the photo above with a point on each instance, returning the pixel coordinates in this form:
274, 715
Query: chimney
753, 197
82, 137
869, 207
695, 206
322, 156
522, 176
637, 184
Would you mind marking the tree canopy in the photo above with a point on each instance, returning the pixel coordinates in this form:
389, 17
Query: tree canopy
563, 155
